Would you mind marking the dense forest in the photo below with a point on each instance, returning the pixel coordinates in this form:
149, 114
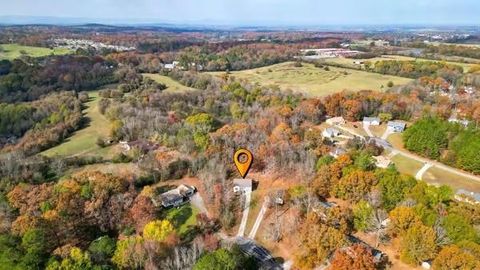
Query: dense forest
40, 124
28, 80
415, 69
454, 50
450, 143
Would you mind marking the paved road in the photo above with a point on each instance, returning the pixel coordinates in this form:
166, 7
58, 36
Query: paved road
251, 248
420, 172
386, 133
246, 209
259, 219
421, 159
366, 127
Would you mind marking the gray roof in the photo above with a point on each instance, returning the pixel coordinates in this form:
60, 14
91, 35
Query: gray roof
474, 195
171, 196
243, 183
396, 124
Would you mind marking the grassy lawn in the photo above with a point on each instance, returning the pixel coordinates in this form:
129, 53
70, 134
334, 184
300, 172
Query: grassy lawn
314, 81
396, 140
83, 141
378, 130
183, 218
12, 51
349, 62
406, 165
172, 85
439, 176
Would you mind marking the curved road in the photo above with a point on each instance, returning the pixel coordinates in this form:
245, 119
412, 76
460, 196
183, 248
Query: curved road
418, 158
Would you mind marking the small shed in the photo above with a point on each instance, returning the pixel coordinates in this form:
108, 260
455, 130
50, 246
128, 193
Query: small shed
382, 162
337, 151
331, 133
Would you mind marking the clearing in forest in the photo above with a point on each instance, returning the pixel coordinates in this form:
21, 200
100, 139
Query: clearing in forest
172, 85
316, 81
12, 51
83, 141
347, 62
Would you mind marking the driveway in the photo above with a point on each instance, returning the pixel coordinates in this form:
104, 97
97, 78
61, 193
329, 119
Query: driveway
251, 248
197, 201
366, 127
259, 219
418, 158
246, 209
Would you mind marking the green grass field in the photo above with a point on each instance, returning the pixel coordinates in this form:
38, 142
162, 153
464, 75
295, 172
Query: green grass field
314, 81
172, 85
406, 165
349, 62
12, 51
83, 141
183, 218
439, 176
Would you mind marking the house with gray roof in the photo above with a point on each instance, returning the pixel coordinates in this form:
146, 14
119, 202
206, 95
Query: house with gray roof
242, 185
396, 126
174, 197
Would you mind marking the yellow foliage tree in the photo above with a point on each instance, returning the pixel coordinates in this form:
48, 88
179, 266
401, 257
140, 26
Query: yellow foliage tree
157, 230
401, 219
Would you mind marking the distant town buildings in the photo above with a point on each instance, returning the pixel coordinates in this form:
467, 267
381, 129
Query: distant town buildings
75, 44
327, 53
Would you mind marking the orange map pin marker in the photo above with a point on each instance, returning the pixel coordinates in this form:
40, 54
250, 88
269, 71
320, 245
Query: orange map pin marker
243, 160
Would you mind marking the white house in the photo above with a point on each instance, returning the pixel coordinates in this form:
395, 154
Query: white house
463, 122
396, 126
335, 121
242, 185
467, 196
372, 121
331, 133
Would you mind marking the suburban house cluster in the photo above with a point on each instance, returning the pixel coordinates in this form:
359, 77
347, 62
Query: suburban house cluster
334, 132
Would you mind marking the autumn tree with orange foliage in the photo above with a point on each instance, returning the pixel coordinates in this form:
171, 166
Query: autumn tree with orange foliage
355, 185
318, 242
453, 257
358, 257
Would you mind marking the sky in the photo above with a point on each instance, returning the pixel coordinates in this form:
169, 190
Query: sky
254, 12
